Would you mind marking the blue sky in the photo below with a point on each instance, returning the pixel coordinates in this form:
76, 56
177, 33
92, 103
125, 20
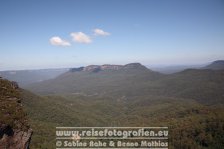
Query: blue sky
69, 33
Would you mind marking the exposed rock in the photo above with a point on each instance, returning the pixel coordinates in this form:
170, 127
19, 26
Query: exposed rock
14, 138
111, 67
91, 68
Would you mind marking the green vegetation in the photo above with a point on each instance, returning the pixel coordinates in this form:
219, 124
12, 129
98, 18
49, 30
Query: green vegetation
204, 86
191, 124
190, 103
11, 112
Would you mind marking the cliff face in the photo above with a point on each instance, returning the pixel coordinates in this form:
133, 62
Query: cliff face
14, 138
15, 132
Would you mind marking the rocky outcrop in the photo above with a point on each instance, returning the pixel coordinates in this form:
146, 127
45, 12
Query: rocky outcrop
14, 138
111, 67
15, 132
93, 68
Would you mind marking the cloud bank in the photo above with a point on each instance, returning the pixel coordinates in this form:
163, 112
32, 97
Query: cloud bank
57, 41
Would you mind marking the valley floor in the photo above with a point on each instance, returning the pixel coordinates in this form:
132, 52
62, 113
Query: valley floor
191, 124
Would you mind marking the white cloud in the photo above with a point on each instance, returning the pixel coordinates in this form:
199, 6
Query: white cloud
80, 37
57, 41
100, 32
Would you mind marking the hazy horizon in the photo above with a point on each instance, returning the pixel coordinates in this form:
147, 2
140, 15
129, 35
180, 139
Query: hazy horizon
153, 66
64, 34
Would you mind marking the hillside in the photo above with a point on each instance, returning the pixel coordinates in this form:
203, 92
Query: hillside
191, 125
15, 132
216, 65
204, 86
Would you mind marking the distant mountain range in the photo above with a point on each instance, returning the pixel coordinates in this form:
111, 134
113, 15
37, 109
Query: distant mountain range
25, 77
216, 65
134, 80
91, 79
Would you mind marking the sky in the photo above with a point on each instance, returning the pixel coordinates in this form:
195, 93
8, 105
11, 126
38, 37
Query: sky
37, 34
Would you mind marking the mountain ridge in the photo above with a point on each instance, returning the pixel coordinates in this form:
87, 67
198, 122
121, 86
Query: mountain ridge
216, 65
94, 78
133, 80
26, 77
97, 68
